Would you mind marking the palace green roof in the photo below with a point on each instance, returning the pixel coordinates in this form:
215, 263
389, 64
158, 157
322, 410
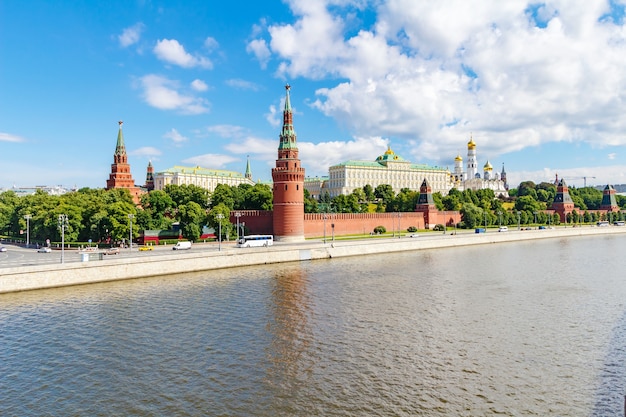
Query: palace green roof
197, 170
377, 165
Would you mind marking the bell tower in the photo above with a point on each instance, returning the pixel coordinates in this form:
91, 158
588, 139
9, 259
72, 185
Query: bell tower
288, 177
120, 176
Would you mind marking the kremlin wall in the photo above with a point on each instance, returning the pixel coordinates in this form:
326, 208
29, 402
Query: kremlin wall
289, 223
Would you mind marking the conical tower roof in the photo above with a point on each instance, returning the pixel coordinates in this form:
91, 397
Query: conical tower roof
120, 148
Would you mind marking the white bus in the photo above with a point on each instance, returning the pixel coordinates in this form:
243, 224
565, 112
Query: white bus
255, 240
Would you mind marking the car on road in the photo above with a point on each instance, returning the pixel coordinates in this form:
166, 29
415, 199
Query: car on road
146, 247
3, 249
44, 249
112, 251
503, 229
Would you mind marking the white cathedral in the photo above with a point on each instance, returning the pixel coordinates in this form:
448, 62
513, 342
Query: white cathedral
471, 179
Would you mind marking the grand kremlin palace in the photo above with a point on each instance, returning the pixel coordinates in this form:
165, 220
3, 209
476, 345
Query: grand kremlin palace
388, 168
201, 177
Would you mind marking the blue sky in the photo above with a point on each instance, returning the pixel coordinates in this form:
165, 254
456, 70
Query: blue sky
540, 86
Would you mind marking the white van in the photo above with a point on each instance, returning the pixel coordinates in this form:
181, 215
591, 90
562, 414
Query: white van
503, 229
182, 245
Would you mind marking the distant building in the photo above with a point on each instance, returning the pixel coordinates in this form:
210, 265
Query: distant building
120, 176
51, 190
201, 177
387, 169
471, 178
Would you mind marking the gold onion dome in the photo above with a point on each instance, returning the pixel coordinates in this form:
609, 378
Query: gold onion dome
471, 144
488, 166
458, 158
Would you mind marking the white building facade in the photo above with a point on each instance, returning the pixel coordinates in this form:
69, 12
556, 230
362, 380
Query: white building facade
388, 168
472, 179
200, 177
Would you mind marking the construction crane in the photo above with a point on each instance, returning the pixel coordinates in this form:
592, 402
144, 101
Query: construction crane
579, 178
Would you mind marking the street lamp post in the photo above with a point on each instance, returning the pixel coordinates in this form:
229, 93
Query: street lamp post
535, 213
485, 220
237, 215
62, 225
130, 231
500, 218
325, 217
332, 228
219, 218
519, 217
28, 217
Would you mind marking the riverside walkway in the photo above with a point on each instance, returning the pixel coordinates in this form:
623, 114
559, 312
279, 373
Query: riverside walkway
207, 257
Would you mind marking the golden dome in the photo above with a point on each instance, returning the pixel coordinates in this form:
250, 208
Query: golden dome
471, 144
458, 158
488, 166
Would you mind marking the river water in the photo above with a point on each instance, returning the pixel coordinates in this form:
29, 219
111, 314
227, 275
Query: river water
517, 329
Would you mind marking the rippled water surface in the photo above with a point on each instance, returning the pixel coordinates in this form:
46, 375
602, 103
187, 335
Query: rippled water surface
531, 328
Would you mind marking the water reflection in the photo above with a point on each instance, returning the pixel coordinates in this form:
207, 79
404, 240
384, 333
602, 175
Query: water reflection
288, 353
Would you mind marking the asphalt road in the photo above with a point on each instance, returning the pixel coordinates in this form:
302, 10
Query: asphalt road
16, 256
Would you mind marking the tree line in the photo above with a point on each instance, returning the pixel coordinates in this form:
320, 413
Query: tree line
99, 215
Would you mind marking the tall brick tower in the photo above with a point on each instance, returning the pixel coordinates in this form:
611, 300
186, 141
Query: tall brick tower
149, 177
120, 176
563, 203
609, 202
288, 179
426, 204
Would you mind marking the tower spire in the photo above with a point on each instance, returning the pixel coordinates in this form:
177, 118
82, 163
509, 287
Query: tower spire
120, 148
287, 134
248, 170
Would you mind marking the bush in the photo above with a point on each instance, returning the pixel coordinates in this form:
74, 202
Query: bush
439, 228
411, 229
379, 230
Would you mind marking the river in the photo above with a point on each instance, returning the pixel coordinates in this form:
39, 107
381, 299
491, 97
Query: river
534, 328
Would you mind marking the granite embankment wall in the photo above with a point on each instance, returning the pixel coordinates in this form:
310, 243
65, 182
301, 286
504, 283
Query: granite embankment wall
78, 273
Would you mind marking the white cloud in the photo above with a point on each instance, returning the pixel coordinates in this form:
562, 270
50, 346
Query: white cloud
131, 35
164, 94
242, 84
225, 131
169, 50
210, 160
175, 137
432, 72
7, 137
317, 157
199, 85
612, 155
273, 116
147, 151
259, 48
211, 44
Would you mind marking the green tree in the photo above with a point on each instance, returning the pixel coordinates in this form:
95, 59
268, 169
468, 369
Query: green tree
258, 197
183, 194
192, 217
310, 204
369, 192
471, 216
384, 192
214, 222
